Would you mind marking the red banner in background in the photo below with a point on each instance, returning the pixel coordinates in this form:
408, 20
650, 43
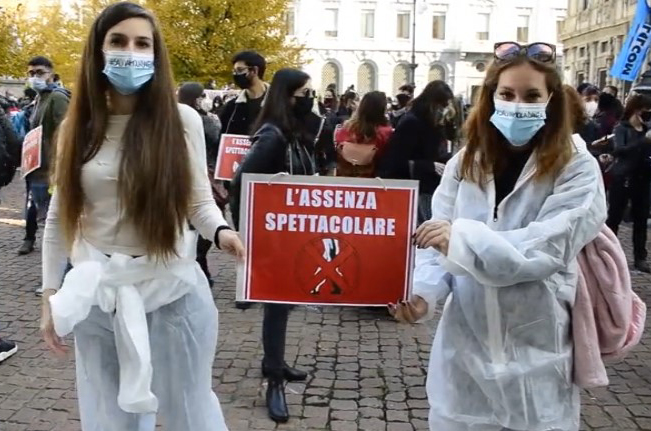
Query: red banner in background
31, 157
327, 240
232, 150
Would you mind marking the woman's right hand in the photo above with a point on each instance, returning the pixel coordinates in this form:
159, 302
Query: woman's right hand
411, 311
52, 340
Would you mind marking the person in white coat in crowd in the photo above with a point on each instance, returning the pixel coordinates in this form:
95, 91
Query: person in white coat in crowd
513, 210
130, 178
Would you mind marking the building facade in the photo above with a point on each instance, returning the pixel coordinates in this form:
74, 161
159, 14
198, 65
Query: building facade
368, 43
593, 34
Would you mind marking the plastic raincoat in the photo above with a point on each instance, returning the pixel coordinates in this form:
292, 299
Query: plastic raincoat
502, 353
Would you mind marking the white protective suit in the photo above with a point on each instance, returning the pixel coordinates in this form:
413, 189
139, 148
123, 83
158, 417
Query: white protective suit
502, 353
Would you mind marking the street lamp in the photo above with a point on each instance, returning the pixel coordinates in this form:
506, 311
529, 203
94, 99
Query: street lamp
413, 64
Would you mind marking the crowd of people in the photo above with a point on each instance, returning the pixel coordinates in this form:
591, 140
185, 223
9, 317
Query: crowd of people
501, 222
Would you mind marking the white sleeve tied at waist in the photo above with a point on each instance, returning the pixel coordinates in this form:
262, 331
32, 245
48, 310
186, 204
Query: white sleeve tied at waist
130, 288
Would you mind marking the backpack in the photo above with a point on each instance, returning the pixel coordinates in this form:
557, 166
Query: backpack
355, 159
607, 317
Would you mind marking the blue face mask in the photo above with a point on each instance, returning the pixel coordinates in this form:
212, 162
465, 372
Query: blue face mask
519, 122
128, 71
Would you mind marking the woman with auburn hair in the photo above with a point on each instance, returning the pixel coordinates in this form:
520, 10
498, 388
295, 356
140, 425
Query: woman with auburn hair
363, 138
512, 212
130, 177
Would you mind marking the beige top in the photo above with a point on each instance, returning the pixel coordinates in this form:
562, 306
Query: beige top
103, 223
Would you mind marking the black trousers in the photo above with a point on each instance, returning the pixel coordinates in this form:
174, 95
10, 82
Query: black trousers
203, 247
636, 191
274, 332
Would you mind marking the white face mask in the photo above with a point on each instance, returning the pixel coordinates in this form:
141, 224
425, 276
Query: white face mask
591, 108
206, 104
519, 122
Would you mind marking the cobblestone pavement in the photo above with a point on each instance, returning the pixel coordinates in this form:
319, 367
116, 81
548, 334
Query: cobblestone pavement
367, 373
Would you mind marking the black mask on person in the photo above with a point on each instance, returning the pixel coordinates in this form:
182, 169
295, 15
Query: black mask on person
242, 80
303, 106
645, 116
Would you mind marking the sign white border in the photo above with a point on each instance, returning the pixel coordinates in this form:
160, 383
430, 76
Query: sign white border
220, 153
243, 289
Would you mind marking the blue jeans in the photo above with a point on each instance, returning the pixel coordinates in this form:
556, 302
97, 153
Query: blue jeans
36, 207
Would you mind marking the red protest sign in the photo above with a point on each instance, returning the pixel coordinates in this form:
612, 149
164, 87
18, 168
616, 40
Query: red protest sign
326, 240
31, 158
232, 149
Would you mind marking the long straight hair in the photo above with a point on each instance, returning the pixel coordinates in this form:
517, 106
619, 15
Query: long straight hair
484, 151
370, 115
429, 104
155, 180
278, 108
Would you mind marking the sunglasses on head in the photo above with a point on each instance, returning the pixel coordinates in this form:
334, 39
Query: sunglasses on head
538, 51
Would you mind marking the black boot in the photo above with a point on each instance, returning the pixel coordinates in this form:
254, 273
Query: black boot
242, 305
26, 248
276, 403
642, 266
290, 374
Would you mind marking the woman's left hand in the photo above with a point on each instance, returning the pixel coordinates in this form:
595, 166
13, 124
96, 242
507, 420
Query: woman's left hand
230, 242
435, 234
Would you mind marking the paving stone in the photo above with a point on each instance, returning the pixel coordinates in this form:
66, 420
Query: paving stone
367, 373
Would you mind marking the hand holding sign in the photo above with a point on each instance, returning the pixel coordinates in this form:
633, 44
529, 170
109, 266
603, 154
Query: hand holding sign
410, 311
230, 242
435, 234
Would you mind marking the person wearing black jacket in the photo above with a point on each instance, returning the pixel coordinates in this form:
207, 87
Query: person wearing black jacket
418, 148
239, 114
9, 159
284, 142
631, 175
10, 149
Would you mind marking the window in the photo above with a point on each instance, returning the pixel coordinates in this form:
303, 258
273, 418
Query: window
559, 28
290, 20
523, 28
580, 78
330, 74
366, 78
582, 52
483, 22
603, 76
436, 73
438, 26
368, 24
400, 77
403, 25
332, 22
604, 47
585, 4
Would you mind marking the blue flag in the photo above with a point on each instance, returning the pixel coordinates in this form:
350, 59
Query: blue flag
630, 59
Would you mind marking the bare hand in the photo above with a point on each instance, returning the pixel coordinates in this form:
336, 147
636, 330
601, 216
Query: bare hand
435, 234
439, 168
55, 343
410, 311
606, 159
230, 242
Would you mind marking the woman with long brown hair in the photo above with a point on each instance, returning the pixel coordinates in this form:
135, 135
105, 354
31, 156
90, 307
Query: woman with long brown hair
418, 147
130, 178
363, 138
513, 210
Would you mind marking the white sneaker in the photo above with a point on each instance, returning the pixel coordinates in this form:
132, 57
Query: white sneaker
7, 349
